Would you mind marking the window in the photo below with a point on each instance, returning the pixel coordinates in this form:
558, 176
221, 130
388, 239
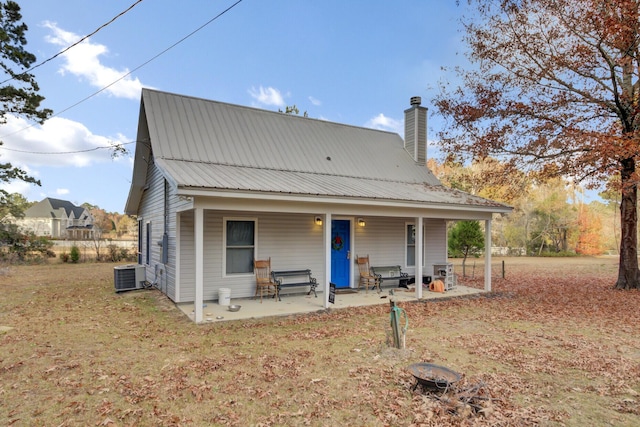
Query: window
411, 245
240, 245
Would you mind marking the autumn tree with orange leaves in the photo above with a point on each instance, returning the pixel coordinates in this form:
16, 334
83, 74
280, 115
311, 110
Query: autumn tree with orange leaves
555, 89
589, 234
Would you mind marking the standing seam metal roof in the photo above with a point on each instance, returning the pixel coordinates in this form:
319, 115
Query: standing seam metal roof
206, 144
192, 129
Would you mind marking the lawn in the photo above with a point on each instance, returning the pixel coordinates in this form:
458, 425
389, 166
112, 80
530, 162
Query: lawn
553, 345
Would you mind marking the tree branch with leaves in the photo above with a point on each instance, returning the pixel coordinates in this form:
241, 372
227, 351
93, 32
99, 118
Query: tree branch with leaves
19, 89
554, 90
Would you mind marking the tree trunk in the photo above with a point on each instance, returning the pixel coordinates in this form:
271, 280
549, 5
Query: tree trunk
628, 274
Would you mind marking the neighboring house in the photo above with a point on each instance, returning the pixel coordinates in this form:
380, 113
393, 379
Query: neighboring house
216, 186
57, 219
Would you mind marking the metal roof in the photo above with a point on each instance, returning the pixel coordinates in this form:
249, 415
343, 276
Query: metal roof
203, 144
224, 177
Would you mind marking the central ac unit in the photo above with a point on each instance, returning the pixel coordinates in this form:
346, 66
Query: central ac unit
129, 277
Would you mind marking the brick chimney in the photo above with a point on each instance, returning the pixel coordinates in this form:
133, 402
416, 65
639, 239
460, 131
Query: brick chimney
415, 130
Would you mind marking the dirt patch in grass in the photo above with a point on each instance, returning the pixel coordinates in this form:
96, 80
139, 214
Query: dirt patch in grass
554, 345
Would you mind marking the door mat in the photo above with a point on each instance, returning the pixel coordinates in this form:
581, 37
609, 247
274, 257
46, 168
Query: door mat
346, 291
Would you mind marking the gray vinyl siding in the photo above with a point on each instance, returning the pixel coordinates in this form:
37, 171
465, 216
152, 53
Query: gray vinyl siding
152, 209
291, 241
187, 257
435, 244
213, 269
383, 239
415, 133
409, 133
422, 138
174, 203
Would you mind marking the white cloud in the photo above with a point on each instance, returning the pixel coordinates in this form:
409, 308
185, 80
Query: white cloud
58, 142
383, 122
267, 96
17, 186
83, 61
315, 101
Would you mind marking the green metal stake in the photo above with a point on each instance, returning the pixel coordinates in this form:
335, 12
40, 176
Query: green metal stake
395, 325
398, 333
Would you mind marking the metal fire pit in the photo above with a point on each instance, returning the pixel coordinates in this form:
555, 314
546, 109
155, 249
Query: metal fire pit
432, 376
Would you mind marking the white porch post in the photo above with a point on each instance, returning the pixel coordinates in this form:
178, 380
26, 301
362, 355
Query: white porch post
326, 225
178, 256
419, 255
487, 255
199, 263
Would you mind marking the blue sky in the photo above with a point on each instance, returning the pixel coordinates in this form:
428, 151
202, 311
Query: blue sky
355, 62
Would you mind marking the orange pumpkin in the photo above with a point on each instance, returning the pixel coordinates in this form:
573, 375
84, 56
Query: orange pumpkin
436, 286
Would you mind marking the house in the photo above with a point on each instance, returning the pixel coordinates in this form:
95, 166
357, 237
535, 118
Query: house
57, 219
217, 185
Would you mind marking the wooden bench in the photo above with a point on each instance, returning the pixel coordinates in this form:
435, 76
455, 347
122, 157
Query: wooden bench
291, 278
391, 272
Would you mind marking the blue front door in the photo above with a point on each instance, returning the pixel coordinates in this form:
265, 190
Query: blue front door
340, 252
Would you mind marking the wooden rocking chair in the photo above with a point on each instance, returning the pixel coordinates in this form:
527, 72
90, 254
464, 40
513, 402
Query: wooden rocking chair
264, 281
366, 277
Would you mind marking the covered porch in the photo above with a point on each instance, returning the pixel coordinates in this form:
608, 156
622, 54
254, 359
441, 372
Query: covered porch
299, 236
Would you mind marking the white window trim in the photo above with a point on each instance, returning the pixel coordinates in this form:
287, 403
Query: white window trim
406, 245
224, 243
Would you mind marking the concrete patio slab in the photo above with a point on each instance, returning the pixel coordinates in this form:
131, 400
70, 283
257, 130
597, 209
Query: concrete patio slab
292, 304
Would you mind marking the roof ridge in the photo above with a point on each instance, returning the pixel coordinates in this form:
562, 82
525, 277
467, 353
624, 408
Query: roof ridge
256, 109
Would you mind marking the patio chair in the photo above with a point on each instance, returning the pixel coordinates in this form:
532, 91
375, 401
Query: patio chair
264, 281
366, 277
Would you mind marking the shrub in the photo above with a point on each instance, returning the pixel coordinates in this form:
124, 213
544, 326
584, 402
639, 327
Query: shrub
128, 256
116, 254
75, 254
18, 246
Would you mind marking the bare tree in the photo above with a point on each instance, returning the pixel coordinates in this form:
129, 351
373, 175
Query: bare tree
102, 224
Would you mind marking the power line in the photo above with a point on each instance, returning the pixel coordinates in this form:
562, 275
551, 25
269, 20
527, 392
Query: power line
132, 71
153, 58
74, 44
67, 152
